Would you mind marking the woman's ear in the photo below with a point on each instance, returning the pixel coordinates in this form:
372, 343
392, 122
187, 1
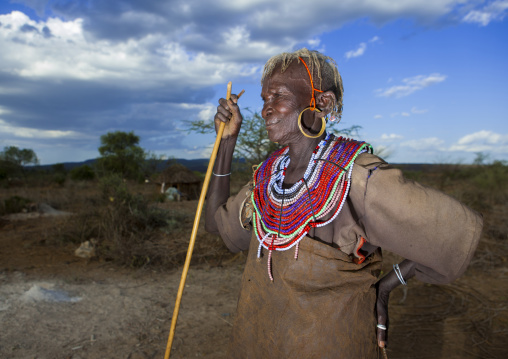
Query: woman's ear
325, 102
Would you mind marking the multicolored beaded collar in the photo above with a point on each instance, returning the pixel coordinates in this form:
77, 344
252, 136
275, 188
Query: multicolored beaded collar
282, 217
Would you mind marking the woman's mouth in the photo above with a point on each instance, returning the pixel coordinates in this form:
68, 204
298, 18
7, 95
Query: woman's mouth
271, 123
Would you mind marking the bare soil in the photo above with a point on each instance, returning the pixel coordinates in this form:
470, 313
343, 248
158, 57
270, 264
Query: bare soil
56, 305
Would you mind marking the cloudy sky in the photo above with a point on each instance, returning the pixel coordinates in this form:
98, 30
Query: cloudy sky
426, 79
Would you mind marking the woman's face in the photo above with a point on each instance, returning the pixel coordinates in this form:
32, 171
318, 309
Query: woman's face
285, 95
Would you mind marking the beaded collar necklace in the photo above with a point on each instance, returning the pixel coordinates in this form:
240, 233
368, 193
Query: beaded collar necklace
282, 217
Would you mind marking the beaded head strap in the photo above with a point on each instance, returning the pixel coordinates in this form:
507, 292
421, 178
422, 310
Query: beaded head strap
313, 99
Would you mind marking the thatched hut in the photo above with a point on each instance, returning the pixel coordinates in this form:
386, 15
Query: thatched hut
181, 178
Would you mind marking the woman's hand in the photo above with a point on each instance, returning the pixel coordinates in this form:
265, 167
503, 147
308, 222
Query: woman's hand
383, 289
383, 295
229, 113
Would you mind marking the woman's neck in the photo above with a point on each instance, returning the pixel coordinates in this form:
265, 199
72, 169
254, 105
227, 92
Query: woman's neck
300, 153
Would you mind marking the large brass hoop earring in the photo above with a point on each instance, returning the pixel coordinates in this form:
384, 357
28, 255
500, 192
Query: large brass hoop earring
323, 124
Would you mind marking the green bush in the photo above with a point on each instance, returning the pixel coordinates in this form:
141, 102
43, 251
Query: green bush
479, 186
130, 228
82, 173
14, 204
59, 178
492, 178
58, 168
9, 169
489, 185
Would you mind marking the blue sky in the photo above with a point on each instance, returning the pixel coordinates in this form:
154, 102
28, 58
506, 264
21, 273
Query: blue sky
426, 79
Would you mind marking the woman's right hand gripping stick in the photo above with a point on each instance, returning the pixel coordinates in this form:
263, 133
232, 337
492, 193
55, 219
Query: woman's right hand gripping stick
229, 113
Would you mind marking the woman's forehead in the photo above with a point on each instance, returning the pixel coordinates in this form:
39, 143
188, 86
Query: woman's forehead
296, 70
295, 75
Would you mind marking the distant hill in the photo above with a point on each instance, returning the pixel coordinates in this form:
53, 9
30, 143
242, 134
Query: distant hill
199, 165
423, 167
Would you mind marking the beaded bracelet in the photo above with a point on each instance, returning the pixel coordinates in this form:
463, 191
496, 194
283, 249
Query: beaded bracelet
396, 269
224, 175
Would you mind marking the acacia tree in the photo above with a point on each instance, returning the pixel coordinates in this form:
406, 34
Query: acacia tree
253, 144
13, 159
121, 154
19, 157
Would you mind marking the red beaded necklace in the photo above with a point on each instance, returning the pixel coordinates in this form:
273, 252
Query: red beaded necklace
282, 217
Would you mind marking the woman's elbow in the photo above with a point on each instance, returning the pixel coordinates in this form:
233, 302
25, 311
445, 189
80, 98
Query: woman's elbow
211, 227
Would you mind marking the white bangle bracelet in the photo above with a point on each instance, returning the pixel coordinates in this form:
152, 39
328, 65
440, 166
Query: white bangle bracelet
224, 175
396, 269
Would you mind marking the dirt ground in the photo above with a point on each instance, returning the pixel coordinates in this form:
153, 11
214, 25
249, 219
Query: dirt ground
56, 305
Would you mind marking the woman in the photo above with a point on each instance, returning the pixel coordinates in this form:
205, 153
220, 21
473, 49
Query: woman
314, 219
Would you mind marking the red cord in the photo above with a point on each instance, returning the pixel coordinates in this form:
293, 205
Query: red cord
313, 99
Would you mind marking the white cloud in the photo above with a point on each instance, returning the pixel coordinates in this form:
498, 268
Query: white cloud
3, 111
236, 36
70, 54
410, 85
479, 17
495, 10
248, 32
205, 111
482, 141
314, 42
434, 147
382, 151
205, 152
414, 111
24, 132
358, 52
425, 144
302, 14
437, 150
391, 137
417, 111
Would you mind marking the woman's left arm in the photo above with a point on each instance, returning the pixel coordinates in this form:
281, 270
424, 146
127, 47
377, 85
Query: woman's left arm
406, 269
434, 232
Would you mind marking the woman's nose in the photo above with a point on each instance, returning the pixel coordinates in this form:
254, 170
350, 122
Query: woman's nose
266, 111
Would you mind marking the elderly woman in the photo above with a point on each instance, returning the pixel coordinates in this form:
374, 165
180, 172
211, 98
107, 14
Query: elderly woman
314, 220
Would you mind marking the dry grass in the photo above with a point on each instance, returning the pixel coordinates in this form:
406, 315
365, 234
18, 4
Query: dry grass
125, 220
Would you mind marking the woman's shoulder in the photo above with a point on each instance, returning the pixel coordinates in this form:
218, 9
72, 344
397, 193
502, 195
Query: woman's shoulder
369, 160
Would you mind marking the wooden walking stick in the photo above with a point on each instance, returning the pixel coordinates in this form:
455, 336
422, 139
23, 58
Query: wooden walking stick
195, 230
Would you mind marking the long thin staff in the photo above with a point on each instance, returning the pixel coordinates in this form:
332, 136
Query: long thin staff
195, 231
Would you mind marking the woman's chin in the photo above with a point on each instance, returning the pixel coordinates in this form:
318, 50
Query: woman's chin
280, 141
272, 138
